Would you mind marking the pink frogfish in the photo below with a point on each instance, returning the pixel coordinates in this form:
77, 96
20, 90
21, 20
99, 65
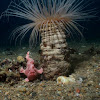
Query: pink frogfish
31, 72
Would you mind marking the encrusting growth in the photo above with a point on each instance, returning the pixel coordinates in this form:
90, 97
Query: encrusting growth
51, 19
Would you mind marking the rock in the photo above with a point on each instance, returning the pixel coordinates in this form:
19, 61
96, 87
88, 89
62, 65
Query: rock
5, 61
12, 76
3, 76
20, 59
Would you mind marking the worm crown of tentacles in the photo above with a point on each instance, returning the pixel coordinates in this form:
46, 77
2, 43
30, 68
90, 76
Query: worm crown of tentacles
43, 13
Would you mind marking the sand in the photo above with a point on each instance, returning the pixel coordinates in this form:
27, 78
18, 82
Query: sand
85, 62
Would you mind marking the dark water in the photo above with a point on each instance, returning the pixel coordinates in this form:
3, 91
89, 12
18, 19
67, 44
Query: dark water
92, 31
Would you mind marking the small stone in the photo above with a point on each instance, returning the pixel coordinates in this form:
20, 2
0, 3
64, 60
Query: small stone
83, 90
50, 98
59, 89
23, 48
59, 93
80, 80
81, 96
95, 66
33, 94
41, 88
18, 95
89, 83
79, 53
42, 84
6, 98
22, 89
6, 93
77, 94
27, 93
97, 86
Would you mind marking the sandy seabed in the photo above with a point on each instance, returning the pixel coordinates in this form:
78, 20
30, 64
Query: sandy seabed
85, 62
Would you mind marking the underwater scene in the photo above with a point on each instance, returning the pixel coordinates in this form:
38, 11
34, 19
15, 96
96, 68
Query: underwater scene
49, 49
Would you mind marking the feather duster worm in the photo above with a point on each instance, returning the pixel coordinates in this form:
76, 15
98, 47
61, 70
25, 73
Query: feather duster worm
51, 19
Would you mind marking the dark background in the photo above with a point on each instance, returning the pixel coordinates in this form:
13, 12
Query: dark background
92, 31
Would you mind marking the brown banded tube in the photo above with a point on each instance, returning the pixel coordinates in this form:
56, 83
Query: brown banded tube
53, 46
